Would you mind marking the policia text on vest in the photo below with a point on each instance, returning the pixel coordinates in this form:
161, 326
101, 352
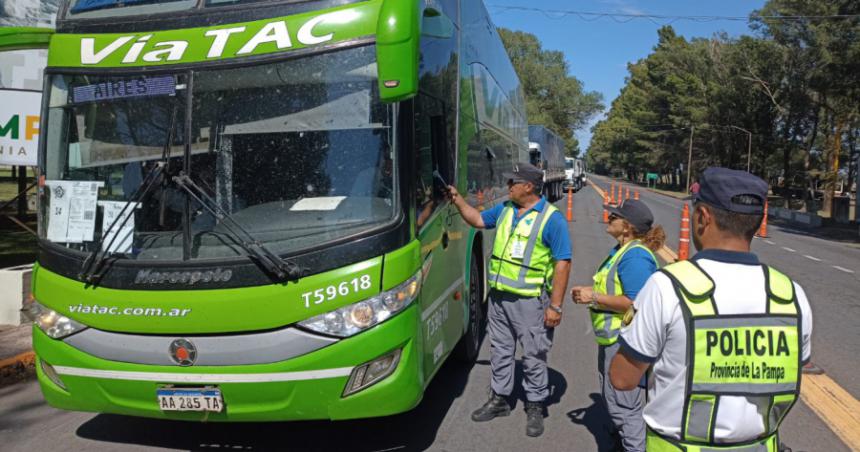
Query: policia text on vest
750, 342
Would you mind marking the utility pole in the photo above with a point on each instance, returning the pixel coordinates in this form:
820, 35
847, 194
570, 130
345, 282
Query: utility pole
690, 160
749, 145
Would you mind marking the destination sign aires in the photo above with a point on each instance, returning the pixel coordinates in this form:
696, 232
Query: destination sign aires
125, 88
209, 43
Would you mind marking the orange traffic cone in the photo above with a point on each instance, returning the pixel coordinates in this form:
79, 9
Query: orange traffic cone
612, 193
618, 197
627, 193
569, 204
636, 195
684, 242
762, 231
605, 205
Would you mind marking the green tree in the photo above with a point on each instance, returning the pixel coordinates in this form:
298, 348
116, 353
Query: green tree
554, 98
829, 49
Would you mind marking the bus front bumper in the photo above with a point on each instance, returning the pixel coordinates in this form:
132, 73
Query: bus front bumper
306, 387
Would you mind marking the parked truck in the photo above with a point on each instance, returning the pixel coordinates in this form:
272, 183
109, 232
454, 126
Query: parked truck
546, 151
574, 173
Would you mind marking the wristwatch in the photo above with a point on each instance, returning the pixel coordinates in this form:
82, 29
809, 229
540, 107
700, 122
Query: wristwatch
555, 308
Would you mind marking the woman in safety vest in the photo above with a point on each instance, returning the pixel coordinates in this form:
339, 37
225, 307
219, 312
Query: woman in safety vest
616, 283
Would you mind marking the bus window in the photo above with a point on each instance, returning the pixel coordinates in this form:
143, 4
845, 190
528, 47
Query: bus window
432, 155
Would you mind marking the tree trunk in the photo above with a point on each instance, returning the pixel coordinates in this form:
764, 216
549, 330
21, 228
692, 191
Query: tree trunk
831, 176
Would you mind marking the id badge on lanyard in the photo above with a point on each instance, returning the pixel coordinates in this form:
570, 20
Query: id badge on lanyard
518, 248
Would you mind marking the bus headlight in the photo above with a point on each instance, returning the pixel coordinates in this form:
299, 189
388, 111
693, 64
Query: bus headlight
52, 323
357, 317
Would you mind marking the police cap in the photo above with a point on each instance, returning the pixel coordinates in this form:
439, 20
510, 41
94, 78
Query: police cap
525, 172
732, 190
636, 213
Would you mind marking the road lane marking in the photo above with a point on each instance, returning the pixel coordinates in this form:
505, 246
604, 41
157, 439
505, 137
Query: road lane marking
789, 249
835, 406
667, 254
812, 258
843, 270
769, 242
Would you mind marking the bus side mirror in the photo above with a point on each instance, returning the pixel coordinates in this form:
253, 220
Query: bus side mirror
397, 51
436, 25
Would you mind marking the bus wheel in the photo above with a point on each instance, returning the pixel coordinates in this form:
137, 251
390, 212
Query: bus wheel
469, 345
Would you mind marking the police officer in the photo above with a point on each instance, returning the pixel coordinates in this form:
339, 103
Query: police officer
725, 336
530, 259
617, 282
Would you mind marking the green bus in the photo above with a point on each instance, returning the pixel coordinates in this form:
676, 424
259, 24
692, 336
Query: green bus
242, 213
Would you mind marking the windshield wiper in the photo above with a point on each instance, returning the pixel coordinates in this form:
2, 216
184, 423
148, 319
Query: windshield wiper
92, 270
274, 264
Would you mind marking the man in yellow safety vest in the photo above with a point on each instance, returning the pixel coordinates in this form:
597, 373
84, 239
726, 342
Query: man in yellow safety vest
528, 276
725, 336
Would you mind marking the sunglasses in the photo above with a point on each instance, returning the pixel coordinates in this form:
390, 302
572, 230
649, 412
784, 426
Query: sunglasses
613, 217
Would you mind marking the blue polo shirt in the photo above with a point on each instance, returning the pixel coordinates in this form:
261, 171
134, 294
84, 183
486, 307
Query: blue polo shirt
635, 267
555, 235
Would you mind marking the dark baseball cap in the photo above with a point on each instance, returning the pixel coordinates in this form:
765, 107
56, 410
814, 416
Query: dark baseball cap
525, 172
636, 213
732, 190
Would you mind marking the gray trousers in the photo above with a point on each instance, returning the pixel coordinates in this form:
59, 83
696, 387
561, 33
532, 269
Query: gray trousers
625, 407
511, 319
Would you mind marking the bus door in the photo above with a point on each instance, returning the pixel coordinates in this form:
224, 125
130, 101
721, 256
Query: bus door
439, 230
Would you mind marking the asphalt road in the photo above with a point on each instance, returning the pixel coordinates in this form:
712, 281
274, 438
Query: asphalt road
577, 421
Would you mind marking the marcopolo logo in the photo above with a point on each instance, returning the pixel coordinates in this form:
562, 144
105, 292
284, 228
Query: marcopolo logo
190, 278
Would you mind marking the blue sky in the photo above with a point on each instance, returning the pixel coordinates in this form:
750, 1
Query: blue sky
598, 51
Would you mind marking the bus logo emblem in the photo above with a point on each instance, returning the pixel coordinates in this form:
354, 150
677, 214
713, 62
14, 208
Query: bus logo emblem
183, 352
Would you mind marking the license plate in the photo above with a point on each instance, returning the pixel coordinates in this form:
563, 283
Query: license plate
190, 399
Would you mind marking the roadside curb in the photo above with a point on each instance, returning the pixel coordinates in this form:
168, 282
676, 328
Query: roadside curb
17, 368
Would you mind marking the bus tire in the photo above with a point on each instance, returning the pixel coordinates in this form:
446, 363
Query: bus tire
470, 344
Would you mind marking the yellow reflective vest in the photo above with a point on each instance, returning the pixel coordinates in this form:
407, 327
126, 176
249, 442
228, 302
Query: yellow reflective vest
752, 355
607, 324
521, 263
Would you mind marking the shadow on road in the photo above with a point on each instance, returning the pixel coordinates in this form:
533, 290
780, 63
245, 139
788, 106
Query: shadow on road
413, 430
556, 382
595, 418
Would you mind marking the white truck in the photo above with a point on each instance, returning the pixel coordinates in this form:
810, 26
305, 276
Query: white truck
574, 173
546, 151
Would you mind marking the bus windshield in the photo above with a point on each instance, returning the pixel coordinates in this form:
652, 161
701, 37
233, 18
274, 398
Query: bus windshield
299, 153
83, 9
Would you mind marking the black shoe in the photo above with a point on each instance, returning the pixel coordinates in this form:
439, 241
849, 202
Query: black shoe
497, 406
534, 420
